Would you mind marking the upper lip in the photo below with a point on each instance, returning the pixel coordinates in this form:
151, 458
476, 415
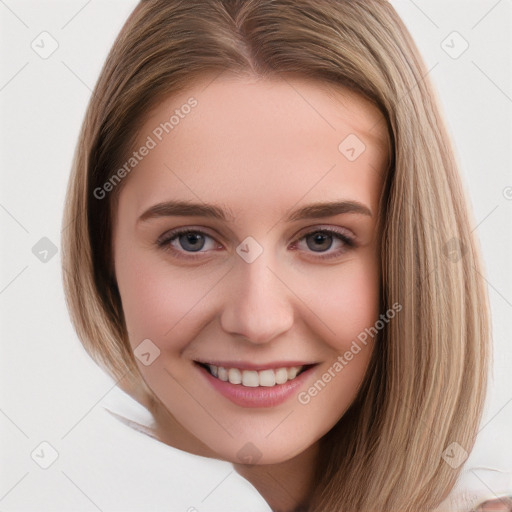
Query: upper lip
245, 365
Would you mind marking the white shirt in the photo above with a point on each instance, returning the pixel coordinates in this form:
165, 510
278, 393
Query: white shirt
156, 477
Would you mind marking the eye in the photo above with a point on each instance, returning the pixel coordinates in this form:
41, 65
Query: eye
184, 242
321, 240
188, 240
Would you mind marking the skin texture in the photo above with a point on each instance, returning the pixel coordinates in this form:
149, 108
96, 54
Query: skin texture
258, 148
503, 504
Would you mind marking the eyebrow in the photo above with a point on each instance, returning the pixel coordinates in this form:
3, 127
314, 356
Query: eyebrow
310, 211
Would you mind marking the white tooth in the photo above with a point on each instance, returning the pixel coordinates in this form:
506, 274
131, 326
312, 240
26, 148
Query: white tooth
235, 376
267, 377
222, 373
281, 375
292, 372
250, 379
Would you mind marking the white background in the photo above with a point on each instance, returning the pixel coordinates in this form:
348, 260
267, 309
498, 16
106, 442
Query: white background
50, 389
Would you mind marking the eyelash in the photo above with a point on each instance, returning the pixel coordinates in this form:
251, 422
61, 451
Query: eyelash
165, 240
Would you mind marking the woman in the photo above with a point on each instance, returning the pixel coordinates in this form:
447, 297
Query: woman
225, 143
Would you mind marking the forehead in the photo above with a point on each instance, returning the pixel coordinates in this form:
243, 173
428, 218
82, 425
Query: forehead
253, 141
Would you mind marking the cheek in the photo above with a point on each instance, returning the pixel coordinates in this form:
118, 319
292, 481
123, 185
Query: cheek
348, 301
349, 307
157, 302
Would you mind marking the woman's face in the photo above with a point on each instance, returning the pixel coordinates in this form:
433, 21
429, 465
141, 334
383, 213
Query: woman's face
257, 285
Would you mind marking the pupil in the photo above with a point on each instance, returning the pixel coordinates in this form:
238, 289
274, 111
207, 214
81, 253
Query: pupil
191, 238
320, 238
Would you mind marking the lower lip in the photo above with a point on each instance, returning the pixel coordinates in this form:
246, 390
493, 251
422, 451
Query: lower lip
261, 396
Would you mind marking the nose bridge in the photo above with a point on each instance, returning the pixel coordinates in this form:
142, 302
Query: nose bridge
257, 304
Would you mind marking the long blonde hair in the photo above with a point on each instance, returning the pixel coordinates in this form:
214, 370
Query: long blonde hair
426, 383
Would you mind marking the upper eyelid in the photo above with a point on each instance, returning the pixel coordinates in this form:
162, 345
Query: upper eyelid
340, 230
303, 232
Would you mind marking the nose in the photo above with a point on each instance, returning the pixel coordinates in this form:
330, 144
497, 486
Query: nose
258, 304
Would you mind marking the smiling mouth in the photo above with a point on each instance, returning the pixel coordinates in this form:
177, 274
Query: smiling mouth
253, 378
